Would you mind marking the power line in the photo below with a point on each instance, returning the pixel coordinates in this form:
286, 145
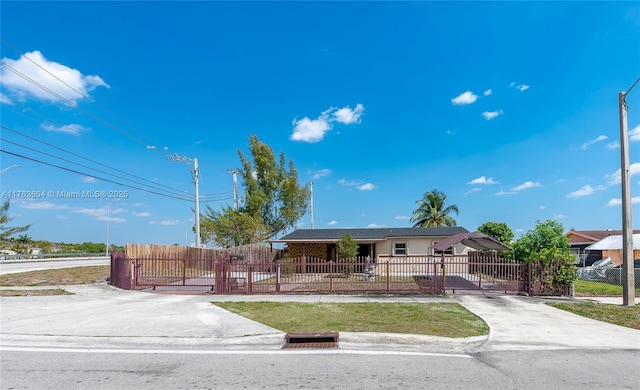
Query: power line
88, 159
93, 176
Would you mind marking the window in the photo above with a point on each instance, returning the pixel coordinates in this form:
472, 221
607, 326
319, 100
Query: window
399, 248
448, 251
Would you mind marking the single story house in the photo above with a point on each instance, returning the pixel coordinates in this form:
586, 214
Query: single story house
579, 240
611, 247
373, 242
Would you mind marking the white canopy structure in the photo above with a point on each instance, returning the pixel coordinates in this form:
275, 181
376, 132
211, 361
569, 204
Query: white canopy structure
613, 243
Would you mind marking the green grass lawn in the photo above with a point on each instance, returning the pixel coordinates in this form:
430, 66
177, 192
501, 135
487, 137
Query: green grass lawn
435, 319
628, 316
589, 288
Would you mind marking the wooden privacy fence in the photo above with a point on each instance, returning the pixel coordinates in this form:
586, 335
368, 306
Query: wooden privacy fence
255, 253
386, 275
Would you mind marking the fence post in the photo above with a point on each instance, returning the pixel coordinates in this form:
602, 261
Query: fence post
528, 269
249, 280
133, 274
330, 275
184, 272
388, 277
278, 277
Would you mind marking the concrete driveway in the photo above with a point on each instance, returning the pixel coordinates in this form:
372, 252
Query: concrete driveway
107, 317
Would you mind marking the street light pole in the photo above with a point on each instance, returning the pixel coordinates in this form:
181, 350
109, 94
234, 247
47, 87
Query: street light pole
9, 167
235, 187
628, 280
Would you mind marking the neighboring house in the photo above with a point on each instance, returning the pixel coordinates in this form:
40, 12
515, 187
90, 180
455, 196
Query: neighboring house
611, 247
374, 242
581, 239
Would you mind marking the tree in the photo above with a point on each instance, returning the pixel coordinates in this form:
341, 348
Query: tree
6, 231
499, 231
273, 199
347, 249
229, 227
431, 211
545, 235
547, 248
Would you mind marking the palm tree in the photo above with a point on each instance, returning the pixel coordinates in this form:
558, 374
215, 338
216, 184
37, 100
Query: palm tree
431, 211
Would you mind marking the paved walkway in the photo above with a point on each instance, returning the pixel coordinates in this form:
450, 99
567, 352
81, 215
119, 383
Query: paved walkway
107, 317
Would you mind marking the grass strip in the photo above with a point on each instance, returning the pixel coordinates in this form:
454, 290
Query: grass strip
33, 293
57, 277
435, 319
628, 316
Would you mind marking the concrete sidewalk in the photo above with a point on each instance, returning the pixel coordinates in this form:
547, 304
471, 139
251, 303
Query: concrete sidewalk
107, 317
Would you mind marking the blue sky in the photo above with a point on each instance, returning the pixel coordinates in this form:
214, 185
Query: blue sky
510, 108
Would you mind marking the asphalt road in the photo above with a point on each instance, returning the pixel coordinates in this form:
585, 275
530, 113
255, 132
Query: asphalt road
15, 266
329, 369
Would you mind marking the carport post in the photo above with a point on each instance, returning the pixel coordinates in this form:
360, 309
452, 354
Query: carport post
628, 283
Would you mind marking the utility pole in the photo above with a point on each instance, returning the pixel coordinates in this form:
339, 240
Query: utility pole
628, 280
235, 187
195, 173
311, 195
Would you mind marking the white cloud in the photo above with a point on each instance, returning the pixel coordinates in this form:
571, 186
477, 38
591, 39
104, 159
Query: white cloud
634, 134
349, 183
542, 207
503, 193
88, 179
559, 216
613, 145
331, 223
348, 116
111, 219
62, 217
523, 87
142, 214
464, 98
42, 74
616, 178
374, 225
488, 115
525, 185
618, 202
366, 187
313, 130
100, 212
74, 129
401, 217
488, 92
38, 205
471, 191
483, 180
321, 173
166, 222
310, 130
593, 141
584, 191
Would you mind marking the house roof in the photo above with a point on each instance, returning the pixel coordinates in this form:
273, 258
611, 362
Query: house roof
613, 243
591, 236
377, 234
475, 240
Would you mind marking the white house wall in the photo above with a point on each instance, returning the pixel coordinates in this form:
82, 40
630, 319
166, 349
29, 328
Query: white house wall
416, 246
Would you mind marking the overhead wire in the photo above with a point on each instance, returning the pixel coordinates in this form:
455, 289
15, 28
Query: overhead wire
90, 114
94, 176
88, 159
